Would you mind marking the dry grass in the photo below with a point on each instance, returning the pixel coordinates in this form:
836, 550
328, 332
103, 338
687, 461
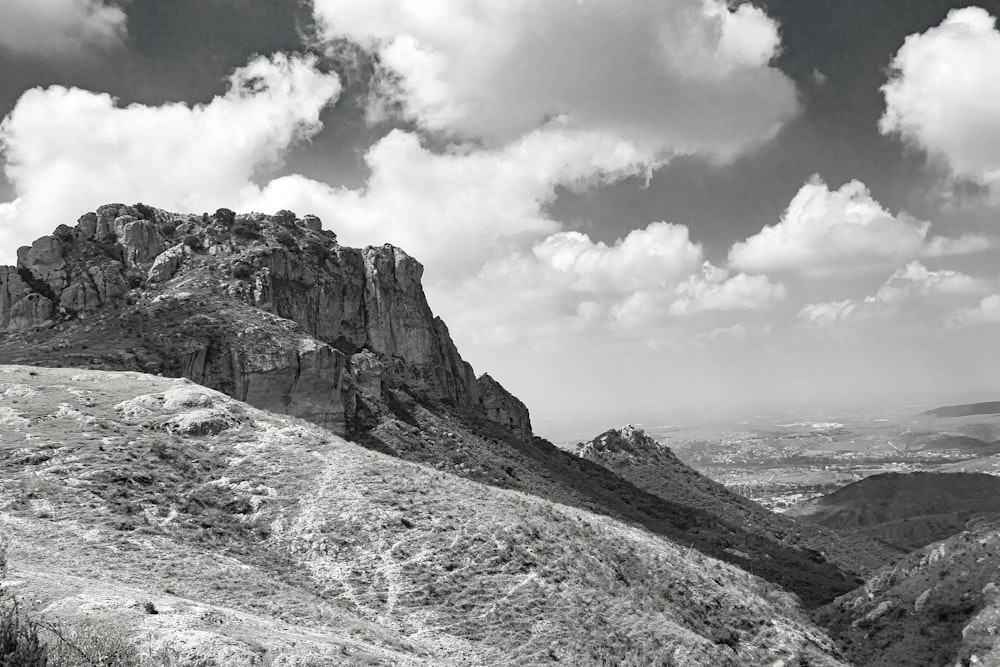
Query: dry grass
274, 538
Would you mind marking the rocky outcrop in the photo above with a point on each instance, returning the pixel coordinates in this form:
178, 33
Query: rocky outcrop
271, 310
502, 407
166, 264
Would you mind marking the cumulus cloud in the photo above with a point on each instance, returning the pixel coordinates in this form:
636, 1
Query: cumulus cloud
715, 289
916, 280
986, 312
943, 93
911, 288
59, 27
827, 314
675, 76
69, 150
823, 231
457, 210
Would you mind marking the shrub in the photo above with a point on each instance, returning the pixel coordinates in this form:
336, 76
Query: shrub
91, 645
225, 216
285, 218
168, 229
246, 231
242, 271
318, 248
285, 239
194, 242
145, 211
19, 641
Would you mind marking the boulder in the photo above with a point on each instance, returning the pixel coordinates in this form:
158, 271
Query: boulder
141, 242
30, 311
166, 264
44, 259
87, 225
12, 289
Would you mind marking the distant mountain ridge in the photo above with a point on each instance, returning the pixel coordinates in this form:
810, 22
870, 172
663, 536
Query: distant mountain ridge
909, 510
965, 410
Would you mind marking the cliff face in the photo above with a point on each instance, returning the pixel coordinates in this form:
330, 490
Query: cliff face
269, 309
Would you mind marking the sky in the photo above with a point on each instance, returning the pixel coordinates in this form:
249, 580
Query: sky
626, 209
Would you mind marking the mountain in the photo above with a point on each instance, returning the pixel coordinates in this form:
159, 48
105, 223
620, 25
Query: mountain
909, 510
640, 459
938, 606
273, 311
965, 410
159, 513
268, 309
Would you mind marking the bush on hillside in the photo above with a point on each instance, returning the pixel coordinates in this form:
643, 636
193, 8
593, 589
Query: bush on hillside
19, 641
285, 239
225, 217
285, 218
318, 249
242, 271
194, 242
145, 211
246, 230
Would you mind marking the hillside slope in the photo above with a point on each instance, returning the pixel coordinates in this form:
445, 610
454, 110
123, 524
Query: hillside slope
255, 537
938, 606
965, 410
640, 459
274, 311
909, 510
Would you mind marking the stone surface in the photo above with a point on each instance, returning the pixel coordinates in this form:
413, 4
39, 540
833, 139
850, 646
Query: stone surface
166, 264
277, 314
501, 407
12, 289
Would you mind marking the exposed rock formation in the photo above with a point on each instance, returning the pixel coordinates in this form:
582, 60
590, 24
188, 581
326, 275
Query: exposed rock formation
270, 310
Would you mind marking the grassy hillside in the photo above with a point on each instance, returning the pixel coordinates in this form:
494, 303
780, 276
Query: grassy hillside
937, 606
194, 523
450, 439
636, 457
909, 510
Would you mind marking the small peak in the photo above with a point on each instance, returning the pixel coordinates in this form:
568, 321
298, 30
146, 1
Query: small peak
628, 439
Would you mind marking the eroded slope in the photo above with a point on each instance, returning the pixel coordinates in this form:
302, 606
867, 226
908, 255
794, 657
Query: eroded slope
256, 536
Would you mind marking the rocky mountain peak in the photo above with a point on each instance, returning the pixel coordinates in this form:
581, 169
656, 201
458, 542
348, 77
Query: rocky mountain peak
270, 309
629, 439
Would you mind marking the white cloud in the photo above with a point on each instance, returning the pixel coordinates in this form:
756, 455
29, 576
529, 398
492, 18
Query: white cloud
906, 297
59, 27
457, 210
827, 314
654, 257
70, 150
916, 280
987, 312
943, 93
714, 289
824, 231
672, 76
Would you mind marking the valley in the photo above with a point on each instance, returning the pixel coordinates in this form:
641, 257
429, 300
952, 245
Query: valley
780, 460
